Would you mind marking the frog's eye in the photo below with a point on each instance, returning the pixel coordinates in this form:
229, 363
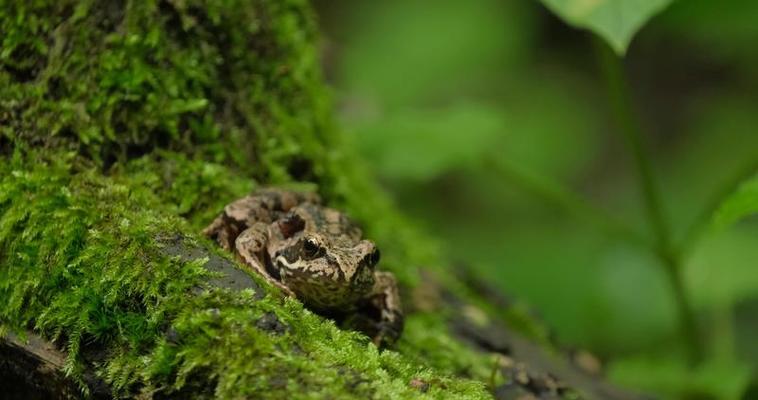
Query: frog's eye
311, 248
372, 258
375, 255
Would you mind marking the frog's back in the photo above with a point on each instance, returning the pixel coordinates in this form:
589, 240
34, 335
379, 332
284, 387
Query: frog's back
328, 221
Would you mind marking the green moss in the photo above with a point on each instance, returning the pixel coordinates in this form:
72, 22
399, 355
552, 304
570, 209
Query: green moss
190, 188
230, 80
82, 264
122, 122
425, 336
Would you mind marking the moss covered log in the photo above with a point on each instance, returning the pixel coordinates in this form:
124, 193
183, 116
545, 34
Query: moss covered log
126, 126
84, 263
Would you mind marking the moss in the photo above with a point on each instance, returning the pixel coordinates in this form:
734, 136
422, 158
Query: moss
122, 122
229, 80
82, 264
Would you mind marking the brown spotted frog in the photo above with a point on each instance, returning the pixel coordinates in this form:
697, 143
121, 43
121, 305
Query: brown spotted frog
315, 254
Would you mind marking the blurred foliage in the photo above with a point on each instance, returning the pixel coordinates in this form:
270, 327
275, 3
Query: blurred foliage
673, 380
740, 204
489, 123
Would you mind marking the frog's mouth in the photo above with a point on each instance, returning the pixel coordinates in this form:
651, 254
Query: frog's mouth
308, 270
316, 285
283, 265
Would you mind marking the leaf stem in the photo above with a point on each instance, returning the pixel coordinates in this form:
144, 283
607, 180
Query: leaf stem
671, 258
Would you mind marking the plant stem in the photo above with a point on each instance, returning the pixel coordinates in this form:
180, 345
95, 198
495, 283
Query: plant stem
670, 257
560, 197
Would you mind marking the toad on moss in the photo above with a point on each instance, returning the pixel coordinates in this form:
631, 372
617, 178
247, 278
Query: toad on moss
313, 253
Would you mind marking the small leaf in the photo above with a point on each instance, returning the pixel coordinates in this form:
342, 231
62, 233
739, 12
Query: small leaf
740, 204
616, 21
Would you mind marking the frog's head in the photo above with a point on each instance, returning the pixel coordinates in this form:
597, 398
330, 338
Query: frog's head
324, 269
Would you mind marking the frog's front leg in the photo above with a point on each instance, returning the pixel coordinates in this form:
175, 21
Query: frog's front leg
251, 246
222, 231
386, 299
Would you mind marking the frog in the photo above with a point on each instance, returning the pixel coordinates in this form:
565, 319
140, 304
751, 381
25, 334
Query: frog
313, 253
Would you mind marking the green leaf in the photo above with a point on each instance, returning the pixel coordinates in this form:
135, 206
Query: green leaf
616, 21
740, 204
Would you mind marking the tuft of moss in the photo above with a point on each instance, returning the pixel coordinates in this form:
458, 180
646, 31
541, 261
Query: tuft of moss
230, 80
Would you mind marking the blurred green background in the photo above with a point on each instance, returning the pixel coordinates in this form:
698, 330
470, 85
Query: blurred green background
490, 123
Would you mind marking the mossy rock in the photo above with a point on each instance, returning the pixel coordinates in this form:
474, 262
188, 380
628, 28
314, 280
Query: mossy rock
124, 128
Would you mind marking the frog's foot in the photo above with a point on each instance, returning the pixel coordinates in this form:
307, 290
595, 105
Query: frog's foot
381, 333
222, 232
250, 245
387, 333
387, 323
